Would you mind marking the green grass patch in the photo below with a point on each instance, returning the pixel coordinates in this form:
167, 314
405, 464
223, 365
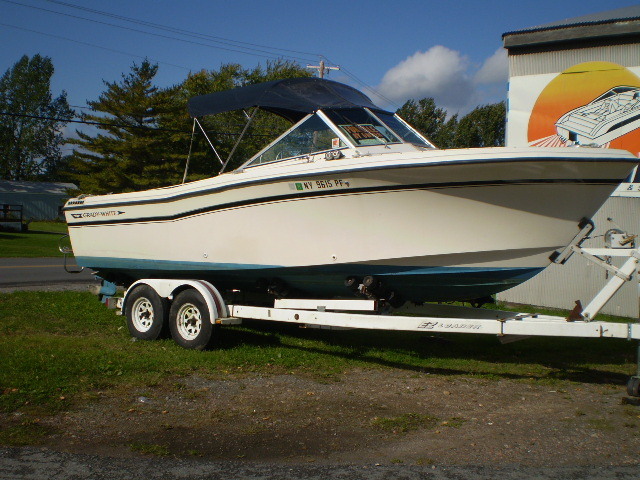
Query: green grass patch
60, 348
601, 424
29, 432
40, 241
404, 423
150, 449
454, 422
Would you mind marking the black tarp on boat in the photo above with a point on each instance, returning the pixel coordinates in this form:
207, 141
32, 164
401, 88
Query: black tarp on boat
291, 98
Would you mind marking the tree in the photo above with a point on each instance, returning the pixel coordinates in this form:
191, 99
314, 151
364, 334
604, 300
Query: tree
203, 162
128, 151
145, 132
482, 127
430, 120
223, 129
31, 120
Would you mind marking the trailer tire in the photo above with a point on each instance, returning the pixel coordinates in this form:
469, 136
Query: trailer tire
189, 321
146, 313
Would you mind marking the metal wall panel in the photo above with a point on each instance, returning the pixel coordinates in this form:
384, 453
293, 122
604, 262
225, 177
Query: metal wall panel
558, 286
35, 206
559, 60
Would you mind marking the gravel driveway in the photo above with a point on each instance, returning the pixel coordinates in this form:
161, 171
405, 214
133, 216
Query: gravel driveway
386, 423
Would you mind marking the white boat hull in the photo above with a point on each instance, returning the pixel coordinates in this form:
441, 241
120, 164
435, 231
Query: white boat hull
441, 225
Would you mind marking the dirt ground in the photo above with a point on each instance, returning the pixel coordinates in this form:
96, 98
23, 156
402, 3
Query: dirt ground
363, 416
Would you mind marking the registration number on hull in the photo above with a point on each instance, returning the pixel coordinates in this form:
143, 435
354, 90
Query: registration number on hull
320, 184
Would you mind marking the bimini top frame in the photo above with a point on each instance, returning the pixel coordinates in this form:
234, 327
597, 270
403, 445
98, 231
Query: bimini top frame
342, 117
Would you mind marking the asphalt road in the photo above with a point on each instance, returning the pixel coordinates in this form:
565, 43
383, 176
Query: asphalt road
35, 464
45, 273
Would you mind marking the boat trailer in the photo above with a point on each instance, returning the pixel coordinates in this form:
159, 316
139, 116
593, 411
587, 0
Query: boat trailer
193, 309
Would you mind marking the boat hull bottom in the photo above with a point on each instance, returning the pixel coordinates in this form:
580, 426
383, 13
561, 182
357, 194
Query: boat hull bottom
417, 284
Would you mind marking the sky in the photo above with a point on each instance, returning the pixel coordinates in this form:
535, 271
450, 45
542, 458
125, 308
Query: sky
393, 50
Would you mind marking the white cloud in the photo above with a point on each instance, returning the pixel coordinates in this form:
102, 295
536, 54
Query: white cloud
447, 76
495, 69
439, 73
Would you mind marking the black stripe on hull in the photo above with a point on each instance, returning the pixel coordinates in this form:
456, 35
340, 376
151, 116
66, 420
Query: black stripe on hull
327, 193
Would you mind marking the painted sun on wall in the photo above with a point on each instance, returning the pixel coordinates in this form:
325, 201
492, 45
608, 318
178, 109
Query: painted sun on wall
593, 103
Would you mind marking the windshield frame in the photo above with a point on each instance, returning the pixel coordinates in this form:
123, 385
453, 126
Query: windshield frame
344, 138
379, 136
427, 144
323, 118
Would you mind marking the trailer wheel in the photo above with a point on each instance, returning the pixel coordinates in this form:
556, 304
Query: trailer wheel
189, 321
146, 313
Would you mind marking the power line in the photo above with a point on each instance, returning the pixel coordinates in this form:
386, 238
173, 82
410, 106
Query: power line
264, 54
263, 49
91, 45
371, 89
80, 107
142, 127
226, 41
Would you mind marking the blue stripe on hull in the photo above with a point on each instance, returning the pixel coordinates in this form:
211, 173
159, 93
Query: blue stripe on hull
416, 283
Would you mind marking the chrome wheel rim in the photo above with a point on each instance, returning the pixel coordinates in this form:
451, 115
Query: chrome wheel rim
189, 321
142, 314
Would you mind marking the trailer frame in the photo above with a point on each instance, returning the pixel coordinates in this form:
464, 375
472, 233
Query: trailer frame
162, 302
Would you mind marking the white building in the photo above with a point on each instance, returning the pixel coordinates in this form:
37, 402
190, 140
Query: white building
38, 200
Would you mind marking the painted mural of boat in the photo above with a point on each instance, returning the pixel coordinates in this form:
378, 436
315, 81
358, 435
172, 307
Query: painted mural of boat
611, 115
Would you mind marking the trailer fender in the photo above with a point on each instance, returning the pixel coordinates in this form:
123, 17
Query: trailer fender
168, 288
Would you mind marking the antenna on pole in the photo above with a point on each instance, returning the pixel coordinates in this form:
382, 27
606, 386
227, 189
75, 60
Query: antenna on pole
322, 68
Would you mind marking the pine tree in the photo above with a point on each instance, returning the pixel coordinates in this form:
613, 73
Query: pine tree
128, 153
145, 132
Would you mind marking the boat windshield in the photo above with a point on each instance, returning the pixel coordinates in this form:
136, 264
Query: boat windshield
401, 129
311, 136
357, 125
615, 91
361, 127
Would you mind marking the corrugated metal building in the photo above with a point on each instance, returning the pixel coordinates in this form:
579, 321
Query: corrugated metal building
579, 65
39, 200
556, 67
559, 286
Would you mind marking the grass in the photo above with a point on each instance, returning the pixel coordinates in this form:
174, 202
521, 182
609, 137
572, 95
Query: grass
600, 424
404, 423
454, 422
40, 241
28, 432
150, 449
59, 348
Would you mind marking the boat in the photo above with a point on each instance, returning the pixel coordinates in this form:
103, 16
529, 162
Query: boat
609, 116
350, 201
